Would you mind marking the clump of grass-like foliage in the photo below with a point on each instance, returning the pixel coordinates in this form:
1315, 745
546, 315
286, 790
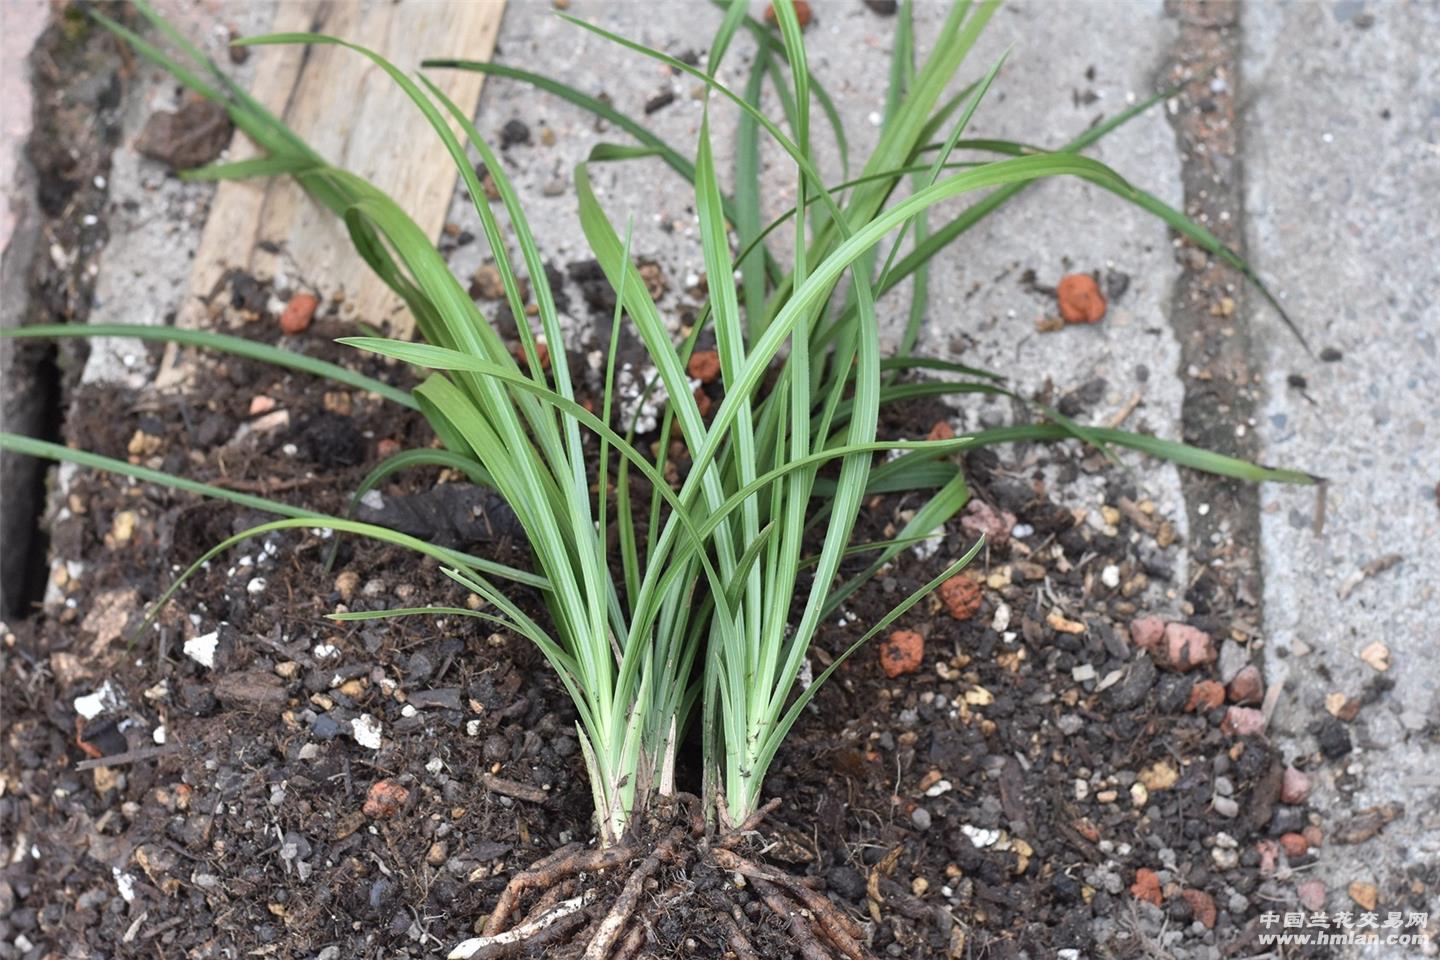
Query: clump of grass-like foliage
687, 620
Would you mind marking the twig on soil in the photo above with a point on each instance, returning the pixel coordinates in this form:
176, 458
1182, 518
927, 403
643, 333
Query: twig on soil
1272, 699
510, 788
1124, 412
264, 488
129, 756
1375, 567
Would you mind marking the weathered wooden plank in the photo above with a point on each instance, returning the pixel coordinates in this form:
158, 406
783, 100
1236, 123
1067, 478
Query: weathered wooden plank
356, 117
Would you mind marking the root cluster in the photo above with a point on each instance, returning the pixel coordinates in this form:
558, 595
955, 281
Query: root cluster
605, 904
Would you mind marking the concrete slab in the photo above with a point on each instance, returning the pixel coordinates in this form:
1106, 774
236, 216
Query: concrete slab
1056, 228
1342, 156
20, 23
981, 313
154, 218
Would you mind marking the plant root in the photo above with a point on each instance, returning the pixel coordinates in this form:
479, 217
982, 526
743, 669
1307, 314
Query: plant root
634, 940
751, 824
736, 940
614, 922
561, 891
560, 865
842, 933
639, 901
805, 939
546, 928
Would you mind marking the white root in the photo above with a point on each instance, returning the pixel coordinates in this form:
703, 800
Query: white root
525, 930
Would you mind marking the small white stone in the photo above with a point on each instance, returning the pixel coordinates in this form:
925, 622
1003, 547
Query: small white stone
435, 765
373, 499
980, 836
159, 735
1225, 859
1110, 576
126, 883
256, 586
326, 650
202, 649
366, 731
1001, 621
92, 705
930, 546
939, 788
1084, 672
1109, 680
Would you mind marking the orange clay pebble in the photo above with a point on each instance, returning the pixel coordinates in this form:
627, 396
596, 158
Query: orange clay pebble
1080, 299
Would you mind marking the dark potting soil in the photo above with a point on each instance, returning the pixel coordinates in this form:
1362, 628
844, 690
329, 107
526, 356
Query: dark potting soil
984, 805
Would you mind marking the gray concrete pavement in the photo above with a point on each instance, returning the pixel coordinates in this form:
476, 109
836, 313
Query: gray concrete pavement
1049, 90
1342, 154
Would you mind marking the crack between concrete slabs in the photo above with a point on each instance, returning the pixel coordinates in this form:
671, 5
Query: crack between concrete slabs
1209, 312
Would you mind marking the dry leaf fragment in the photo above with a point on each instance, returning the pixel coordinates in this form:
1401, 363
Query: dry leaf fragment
1377, 566
1058, 622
